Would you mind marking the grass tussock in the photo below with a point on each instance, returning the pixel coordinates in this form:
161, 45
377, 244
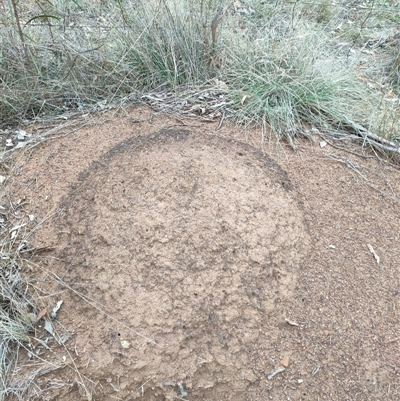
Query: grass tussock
299, 63
291, 84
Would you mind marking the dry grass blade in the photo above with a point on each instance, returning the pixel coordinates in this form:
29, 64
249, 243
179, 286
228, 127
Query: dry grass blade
16, 308
21, 362
295, 64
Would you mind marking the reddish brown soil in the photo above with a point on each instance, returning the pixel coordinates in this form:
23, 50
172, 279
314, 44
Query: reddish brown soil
185, 254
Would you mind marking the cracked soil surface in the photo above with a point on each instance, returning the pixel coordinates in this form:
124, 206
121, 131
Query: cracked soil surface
192, 263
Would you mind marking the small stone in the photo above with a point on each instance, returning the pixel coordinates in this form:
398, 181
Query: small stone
181, 389
300, 381
125, 344
123, 385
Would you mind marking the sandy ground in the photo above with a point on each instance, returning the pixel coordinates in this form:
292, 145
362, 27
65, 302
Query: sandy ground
192, 263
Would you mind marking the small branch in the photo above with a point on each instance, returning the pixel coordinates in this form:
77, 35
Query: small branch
373, 139
346, 150
214, 25
20, 33
362, 27
16, 16
293, 9
215, 22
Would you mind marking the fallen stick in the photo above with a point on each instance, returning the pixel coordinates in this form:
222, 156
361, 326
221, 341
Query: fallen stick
374, 139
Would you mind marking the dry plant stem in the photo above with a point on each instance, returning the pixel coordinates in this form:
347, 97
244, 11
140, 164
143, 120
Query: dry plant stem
348, 163
293, 10
47, 20
16, 16
355, 169
347, 150
51, 134
362, 26
92, 303
375, 140
220, 121
71, 366
214, 25
215, 22
291, 143
20, 33
168, 10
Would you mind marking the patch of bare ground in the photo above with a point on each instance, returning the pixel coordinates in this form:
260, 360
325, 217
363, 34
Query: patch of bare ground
193, 263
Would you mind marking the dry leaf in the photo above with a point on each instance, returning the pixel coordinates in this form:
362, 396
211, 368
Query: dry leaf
377, 258
41, 314
244, 98
48, 327
16, 228
53, 313
279, 369
291, 322
285, 362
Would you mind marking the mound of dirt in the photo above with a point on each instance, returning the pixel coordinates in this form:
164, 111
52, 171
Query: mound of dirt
180, 246
192, 266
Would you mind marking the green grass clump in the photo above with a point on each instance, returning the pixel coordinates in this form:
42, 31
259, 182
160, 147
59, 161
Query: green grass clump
297, 62
294, 82
92, 53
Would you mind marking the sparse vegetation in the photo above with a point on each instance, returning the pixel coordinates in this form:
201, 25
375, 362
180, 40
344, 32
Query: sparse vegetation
291, 65
17, 311
301, 63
